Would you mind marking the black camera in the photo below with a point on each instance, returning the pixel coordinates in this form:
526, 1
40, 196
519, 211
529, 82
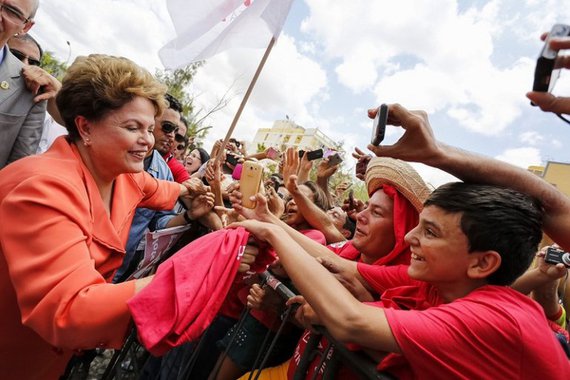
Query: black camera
556, 255
546, 73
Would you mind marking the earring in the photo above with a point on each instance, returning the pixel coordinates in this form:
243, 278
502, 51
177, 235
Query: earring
87, 142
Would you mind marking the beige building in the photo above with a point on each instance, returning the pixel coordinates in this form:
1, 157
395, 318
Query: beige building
556, 173
285, 133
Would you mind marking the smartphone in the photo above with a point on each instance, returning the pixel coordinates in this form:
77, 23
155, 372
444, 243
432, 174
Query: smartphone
379, 125
231, 159
250, 182
272, 153
314, 154
556, 255
301, 153
545, 75
334, 159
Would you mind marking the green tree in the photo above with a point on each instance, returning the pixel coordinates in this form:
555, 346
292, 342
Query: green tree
177, 82
53, 66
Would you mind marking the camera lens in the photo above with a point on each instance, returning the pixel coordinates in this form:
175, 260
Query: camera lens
566, 259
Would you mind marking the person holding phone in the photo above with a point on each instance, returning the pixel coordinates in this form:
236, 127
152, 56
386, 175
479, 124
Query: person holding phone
546, 100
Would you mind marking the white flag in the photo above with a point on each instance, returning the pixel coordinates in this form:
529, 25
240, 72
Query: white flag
207, 27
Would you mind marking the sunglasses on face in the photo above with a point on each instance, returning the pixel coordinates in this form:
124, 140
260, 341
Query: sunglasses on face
180, 147
168, 127
22, 57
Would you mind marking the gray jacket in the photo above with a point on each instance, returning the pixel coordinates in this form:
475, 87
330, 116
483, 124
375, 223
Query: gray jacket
21, 120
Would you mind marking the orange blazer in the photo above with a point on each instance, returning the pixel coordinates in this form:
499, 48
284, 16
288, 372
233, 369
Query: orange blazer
59, 250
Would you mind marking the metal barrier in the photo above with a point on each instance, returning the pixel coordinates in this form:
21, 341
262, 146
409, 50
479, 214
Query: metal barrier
127, 363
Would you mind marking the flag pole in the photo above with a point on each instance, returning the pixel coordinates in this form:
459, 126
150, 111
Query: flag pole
246, 97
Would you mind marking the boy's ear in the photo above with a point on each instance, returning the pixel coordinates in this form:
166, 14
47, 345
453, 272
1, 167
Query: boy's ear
483, 264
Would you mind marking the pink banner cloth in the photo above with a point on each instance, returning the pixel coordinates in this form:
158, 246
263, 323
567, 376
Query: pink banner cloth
187, 290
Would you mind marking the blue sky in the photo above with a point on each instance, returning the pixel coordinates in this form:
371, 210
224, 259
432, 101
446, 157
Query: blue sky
467, 63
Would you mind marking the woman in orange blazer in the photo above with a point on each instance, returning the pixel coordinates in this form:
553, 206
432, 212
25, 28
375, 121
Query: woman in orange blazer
65, 218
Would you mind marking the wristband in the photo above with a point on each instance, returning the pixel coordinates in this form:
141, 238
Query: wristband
187, 217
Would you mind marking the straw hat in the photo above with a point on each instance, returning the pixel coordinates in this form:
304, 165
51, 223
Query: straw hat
401, 175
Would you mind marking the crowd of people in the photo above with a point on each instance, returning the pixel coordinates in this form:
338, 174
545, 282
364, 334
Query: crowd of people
428, 283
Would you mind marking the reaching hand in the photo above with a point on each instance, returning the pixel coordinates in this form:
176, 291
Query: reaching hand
362, 161
274, 202
249, 255
261, 230
37, 78
290, 164
201, 205
214, 174
554, 272
305, 165
227, 215
305, 314
260, 212
255, 297
345, 272
545, 100
195, 187
418, 142
324, 171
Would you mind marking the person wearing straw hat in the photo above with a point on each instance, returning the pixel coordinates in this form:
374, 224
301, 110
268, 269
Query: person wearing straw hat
450, 313
397, 193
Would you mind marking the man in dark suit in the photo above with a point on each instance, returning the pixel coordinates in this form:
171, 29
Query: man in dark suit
21, 119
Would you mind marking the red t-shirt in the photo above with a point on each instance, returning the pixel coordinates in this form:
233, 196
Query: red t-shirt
414, 294
493, 332
178, 170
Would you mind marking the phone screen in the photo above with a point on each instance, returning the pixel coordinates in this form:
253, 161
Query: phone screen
314, 154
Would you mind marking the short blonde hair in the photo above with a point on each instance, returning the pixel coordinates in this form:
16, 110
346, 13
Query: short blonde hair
97, 84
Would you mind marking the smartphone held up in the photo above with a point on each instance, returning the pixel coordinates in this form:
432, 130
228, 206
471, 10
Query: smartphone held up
379, 125
546, 73
250, 182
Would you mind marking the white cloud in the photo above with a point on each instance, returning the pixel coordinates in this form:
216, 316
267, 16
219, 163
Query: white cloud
290, 84
453, 48
470, 63
432, 176
531, 137
523, 157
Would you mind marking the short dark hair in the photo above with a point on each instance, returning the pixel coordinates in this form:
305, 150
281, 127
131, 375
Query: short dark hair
26, 37
498, 219
173, 103
319, 196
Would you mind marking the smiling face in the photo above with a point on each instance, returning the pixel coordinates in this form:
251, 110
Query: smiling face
192, 162
440, 249
164, 131
12, 19
374, 235
292, 215
119, 142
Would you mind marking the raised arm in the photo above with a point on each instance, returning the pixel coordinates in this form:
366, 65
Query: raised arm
418, 144
347, 319
261, 213
316, 217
